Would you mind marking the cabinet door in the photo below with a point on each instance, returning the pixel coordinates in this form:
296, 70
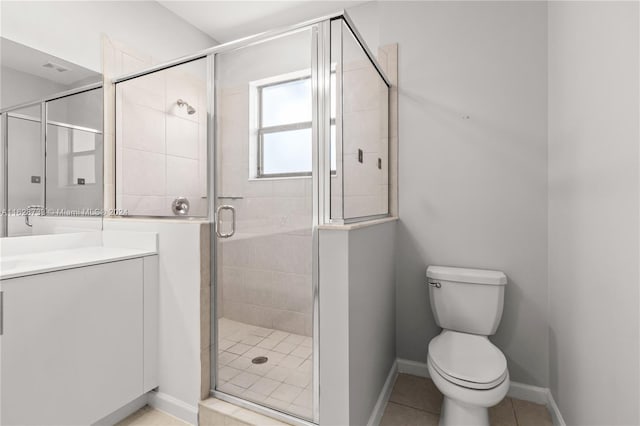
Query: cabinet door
71, 351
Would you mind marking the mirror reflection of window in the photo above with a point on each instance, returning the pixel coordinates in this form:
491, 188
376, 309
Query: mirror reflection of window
74, 133
83, 153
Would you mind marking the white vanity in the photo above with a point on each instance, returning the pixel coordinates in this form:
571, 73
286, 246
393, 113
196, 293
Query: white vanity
79, 324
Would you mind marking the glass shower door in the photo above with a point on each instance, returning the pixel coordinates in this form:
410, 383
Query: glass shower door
264, 223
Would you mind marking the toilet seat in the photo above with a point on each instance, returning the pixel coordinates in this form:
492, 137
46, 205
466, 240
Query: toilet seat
468, 360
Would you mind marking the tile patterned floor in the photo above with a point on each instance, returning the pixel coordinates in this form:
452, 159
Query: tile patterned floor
284, 382
147, 416
416, 401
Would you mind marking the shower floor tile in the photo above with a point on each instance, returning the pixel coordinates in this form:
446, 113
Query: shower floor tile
284, 382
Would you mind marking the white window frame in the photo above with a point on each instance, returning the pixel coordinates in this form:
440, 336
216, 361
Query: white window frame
73, 154
257, 132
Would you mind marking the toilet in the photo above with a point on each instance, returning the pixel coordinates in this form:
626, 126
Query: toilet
469, 370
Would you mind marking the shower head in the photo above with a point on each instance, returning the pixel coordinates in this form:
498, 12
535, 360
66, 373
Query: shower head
190, 110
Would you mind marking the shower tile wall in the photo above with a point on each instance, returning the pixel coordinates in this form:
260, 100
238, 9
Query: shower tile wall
163, 152
363, 187
266, 266
275, 290
365, 123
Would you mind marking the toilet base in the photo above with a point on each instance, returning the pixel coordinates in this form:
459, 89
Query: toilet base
456, 413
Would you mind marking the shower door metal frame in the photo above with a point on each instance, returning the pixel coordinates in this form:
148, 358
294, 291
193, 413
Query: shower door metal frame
4, 230
6, 114
321, 88
317, 86
53, 97
321, 190
348, 22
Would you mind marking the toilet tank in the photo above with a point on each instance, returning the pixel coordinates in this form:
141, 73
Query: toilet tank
466, 300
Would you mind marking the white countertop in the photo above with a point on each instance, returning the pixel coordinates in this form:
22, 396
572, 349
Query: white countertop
66, 251
357, 225
48, 261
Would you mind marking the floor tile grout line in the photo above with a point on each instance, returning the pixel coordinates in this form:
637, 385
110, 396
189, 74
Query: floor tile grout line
415, 408
519, 416
513, 410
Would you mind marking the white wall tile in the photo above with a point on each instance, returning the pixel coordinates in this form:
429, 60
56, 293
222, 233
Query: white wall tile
182, 175
143, 172
182, 137
143, 204
143, 128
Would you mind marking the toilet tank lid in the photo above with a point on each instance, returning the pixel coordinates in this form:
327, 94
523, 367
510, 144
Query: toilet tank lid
464, 275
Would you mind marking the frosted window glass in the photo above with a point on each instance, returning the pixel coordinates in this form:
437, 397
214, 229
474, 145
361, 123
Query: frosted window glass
286, 103
287, 152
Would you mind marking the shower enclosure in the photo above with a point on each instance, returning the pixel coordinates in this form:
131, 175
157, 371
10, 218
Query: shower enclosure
52, 159
296, 137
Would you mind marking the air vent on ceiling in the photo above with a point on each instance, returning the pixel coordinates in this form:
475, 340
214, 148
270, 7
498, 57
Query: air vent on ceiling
54, 66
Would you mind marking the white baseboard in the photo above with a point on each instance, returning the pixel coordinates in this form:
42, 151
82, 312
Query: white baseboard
412, 367
517, 390
385, 394
174, 406
529, 393
124, 412
556, 416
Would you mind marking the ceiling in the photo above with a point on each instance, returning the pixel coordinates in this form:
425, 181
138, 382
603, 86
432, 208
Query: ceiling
229, 20
23, 58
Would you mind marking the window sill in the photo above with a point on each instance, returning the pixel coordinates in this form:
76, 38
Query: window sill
258, 179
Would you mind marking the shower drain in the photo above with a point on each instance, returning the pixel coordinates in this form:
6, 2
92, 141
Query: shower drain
260, 360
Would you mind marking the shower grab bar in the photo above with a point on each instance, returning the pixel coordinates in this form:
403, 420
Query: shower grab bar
218, 224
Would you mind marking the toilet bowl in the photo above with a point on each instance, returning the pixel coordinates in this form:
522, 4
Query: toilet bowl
472, 375
469, 370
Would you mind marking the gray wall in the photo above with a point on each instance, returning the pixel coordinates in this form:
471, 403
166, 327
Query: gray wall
472, 191
372, 316
357, 288
17, 87
594, 210
73, 30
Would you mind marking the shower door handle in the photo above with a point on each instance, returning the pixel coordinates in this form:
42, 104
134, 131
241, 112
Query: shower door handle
219, 224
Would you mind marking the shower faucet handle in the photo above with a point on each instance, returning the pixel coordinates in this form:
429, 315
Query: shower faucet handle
180, 206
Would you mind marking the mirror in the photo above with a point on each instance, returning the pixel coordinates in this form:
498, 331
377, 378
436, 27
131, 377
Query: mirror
30, 75
38, 191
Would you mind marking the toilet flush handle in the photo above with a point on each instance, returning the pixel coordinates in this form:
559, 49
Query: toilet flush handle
435, 284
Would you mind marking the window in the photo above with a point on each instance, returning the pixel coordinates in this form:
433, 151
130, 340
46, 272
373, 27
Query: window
284, 138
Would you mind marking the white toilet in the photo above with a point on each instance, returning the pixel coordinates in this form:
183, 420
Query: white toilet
469, 370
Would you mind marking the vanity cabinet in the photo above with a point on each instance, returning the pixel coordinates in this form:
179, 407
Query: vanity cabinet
78, 343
